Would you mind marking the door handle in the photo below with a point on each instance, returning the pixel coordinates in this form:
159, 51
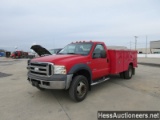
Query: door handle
107, 60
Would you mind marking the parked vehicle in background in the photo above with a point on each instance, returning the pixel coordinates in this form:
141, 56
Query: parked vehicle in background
19, 54
55, 51
79, 66
8, 54
31, 55
2, 54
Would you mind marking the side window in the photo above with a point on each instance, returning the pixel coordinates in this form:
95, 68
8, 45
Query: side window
100, 47
97, 51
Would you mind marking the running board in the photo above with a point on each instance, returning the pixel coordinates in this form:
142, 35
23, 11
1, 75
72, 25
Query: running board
100, 81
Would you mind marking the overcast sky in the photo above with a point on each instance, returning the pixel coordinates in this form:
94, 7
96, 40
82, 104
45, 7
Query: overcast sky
55, 23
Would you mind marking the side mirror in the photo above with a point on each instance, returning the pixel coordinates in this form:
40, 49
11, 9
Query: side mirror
103, 54
96, 55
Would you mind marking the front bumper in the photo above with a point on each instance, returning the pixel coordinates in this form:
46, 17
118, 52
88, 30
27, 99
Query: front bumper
52, 82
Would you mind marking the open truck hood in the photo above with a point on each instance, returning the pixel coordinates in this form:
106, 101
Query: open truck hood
41, 51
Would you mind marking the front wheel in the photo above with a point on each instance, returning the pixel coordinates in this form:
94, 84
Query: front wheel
79, 88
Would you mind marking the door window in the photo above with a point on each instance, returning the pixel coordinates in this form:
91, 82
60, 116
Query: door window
97, 51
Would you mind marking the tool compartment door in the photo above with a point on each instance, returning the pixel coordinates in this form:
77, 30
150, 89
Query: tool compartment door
116, 61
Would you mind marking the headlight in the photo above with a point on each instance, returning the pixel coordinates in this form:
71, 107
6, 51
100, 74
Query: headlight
59, 69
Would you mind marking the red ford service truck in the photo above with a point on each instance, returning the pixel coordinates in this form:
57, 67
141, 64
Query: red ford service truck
79, 66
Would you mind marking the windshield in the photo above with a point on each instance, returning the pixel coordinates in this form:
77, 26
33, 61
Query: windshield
77, 48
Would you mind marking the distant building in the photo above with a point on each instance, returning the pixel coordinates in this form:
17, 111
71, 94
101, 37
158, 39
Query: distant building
155, 46
144, 50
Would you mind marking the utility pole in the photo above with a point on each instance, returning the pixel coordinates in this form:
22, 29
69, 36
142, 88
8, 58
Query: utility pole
136, 42
146, 46
130, 45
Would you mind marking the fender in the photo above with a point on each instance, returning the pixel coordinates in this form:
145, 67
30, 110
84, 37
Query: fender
81, 66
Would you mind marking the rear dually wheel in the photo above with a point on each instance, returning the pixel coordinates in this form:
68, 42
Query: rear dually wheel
128, 74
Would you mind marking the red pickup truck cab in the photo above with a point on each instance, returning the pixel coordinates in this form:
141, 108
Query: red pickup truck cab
80, 65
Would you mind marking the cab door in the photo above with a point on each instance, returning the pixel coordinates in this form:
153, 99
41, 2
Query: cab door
99, 63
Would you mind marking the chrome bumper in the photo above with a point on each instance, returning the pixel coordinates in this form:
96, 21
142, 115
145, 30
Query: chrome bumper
51, 84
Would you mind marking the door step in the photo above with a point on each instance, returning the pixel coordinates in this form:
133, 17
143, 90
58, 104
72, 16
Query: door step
100, 81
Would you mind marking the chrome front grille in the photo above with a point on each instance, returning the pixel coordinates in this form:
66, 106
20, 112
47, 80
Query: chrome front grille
41, 69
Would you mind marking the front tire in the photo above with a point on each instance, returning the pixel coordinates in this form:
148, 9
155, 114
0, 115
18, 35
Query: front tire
79, 88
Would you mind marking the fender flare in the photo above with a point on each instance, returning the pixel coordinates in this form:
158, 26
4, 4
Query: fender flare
81, 66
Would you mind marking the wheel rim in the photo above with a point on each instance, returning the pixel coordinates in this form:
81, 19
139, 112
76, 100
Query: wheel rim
81, 89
